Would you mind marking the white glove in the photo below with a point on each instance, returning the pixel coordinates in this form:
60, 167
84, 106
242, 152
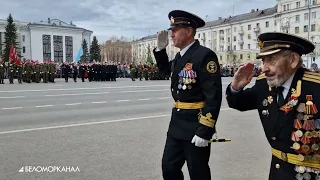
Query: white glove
199, 142
162, 40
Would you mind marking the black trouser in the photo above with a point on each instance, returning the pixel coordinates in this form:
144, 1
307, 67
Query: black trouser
176, 152
66, 77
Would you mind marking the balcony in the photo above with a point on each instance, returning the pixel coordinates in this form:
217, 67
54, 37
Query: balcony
221, 36
256, 29
241, 42
241, 32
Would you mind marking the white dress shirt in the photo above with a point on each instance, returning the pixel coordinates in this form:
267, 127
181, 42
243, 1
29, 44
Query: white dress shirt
184, 50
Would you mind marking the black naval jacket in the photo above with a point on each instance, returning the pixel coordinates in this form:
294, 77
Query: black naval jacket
279, 126
185, 123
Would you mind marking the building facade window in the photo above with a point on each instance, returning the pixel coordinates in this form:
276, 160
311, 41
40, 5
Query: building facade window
298, 4
23, 49
69, 48
46, 44
306, 16
58, 49
297, 18
296, 29
313, 27
23, 38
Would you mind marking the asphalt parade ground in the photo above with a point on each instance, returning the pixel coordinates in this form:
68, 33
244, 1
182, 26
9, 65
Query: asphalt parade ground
112, 131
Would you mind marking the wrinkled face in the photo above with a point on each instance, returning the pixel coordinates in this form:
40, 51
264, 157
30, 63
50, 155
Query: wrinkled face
279, 67
180, 36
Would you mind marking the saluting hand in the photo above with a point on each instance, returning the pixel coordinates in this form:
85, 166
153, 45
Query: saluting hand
162, 40
243, 76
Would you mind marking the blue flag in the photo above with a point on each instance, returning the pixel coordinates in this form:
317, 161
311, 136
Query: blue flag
80, 53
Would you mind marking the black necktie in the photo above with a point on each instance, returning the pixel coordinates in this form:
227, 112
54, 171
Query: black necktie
280, 95
178, 56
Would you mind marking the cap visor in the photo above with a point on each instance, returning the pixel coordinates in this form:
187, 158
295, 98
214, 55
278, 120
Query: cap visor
260, 55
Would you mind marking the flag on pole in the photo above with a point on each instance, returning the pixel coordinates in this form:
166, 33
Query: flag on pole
79, 54
13, 55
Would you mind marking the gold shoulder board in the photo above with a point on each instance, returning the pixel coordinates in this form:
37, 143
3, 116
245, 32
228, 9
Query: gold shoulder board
311, 76
261, 76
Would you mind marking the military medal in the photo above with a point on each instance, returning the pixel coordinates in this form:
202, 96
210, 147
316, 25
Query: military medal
300, 116
305, 147
189, 86
301, 107
184, 87
300, 157
265, 102
298, 126
310, 107
179, 86
265, 112
315, 147
307, 176
295, 138
299, 176
270, 99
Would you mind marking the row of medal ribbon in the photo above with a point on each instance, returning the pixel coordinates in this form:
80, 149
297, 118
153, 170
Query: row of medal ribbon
186, 77
304, 173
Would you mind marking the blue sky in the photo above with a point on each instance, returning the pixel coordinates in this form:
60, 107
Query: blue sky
128, 18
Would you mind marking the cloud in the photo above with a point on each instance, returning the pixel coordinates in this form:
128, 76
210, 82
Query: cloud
130, 18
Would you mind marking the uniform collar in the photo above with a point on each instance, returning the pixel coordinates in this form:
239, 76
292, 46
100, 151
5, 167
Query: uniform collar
184, 50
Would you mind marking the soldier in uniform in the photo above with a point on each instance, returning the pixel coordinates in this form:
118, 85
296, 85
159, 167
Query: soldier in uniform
74, 72
45, 71
37, 70
197, 98
287, 99
82, 71
11, 70
52, 71
1, 73
19, 72
140, 71
133, 71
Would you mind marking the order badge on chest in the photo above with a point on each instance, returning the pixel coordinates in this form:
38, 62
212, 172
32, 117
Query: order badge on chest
187, 77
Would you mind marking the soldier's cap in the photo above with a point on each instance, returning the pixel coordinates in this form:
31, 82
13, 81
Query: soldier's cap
273, 42
182, 18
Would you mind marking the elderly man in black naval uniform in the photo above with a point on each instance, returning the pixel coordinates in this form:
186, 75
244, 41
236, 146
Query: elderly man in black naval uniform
197, 91
287, 98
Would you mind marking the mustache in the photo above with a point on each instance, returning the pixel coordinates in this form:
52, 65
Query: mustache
269, 74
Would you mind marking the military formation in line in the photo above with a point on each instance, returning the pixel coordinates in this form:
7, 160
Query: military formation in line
28, 72
147, 72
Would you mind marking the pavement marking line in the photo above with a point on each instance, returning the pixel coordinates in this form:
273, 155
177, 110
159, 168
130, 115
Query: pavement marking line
123, 100
93, 88
49, 105
101, 102
72, 104
12, 97
54, 95
145, 90
90, 123
145, 99
165, 98
11, 108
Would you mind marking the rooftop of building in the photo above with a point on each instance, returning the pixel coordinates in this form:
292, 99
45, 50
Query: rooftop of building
49, 22
253, 14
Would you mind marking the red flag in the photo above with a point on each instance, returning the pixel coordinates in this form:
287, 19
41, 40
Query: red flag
13, 55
